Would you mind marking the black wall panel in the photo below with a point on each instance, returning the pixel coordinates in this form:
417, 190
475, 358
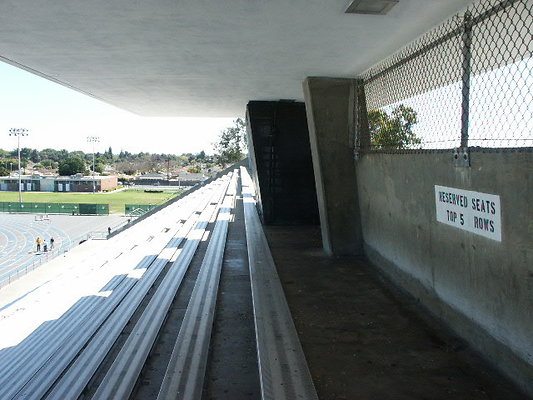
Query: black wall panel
278, 139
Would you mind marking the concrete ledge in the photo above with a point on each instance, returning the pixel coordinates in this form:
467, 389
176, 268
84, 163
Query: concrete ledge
486, 346
283, 370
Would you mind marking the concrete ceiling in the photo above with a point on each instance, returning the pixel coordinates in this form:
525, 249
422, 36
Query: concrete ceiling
203, 57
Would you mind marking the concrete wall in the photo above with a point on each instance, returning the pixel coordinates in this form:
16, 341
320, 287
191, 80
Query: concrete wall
108, 183
482, 288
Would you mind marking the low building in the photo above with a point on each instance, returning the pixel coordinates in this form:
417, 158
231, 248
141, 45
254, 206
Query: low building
182, 179
153, 178
50, 183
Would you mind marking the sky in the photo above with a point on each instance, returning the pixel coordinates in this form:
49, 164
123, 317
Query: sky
61, 118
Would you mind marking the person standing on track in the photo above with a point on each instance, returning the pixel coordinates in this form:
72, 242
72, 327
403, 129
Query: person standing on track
39, 241
51, 243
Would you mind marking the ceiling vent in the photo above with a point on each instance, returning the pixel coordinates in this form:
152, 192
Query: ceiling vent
374, 7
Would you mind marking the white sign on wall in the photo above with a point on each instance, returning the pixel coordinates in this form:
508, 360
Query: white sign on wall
475, 212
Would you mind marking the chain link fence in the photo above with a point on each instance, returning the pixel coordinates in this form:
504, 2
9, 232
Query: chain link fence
466, 83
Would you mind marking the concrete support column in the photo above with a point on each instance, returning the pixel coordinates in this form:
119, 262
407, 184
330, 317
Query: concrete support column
330, 105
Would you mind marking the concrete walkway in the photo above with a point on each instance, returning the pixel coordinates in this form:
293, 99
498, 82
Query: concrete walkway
366, 341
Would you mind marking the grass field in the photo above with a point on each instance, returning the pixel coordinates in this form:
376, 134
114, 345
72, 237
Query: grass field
116, 200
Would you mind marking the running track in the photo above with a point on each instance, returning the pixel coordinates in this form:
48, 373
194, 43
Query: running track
19, 232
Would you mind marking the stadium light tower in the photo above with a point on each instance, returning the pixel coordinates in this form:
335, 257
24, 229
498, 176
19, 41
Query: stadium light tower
18, 132
93, 140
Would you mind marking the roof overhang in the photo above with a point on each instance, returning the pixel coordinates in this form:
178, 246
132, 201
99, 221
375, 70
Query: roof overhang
203, 58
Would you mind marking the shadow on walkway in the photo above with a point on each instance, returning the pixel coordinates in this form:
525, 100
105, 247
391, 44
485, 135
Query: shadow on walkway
364, 339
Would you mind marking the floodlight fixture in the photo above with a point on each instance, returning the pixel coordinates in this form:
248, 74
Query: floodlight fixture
93, 140
18, 132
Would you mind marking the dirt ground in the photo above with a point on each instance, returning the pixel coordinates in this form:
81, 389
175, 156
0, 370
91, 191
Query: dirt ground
364, 339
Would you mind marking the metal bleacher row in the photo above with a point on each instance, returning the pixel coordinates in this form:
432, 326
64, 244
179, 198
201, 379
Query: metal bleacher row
97, 295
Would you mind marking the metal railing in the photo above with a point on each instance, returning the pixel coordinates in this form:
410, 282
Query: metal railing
44, 257
136, 210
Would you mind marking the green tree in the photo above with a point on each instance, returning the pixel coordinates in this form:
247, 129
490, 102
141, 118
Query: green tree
35, 157
9, 163
25, 153
51, 154
194, 169
99, 167
231, 144
71, 166
393, 131
49, 164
